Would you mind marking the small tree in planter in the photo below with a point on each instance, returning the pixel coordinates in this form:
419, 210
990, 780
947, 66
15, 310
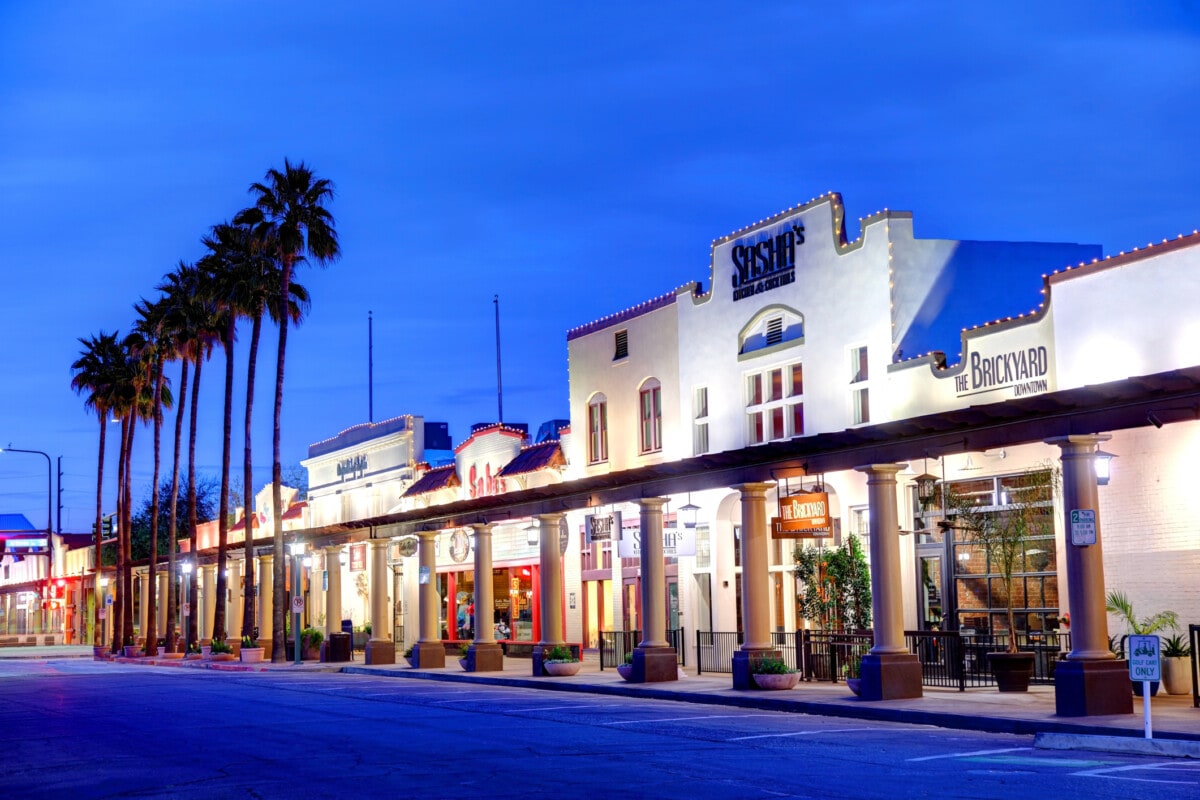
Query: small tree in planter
835, 585
1003, 532
310, 643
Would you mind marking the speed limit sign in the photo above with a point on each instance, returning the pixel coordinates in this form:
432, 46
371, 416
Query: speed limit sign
298, 605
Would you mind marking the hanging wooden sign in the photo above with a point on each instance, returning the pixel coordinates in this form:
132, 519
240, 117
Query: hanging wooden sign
802, 516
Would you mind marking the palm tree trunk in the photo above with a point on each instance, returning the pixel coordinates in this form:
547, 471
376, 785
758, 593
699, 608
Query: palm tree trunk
172, 594
279, 640
219, 623
193, 630
249, 515
127, 527
97, 589
118, 628
152, 573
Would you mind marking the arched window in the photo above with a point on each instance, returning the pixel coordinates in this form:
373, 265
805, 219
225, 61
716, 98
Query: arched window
650, 416
770, 330
597, 429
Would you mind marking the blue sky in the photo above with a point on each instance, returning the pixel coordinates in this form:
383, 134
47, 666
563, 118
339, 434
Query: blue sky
573, 161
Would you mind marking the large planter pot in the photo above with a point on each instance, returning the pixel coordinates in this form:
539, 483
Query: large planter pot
1136, 686
205, 650
132, 651
162, 651
854, 685
252, 655
785, 680
560, 668
172, 656
1177, 675
222, 657
1013, 671
625, 671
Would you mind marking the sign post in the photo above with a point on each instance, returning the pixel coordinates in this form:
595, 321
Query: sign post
1144, 666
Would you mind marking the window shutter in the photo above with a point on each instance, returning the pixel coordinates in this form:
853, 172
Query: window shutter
774, 330
621, 349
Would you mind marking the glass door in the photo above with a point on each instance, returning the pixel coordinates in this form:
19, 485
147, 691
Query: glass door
929, 587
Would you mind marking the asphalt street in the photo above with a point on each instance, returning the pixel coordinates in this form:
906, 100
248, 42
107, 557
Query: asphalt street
84, 729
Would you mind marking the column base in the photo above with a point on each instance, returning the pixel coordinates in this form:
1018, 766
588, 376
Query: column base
1092, 688
890, 676
380, 651
743, 661
429, 655
654, 665
485, 657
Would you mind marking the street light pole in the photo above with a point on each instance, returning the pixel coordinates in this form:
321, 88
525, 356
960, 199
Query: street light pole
186, 566
297, 551
49, 510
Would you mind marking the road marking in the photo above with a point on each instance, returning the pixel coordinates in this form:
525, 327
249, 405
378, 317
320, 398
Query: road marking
689, 719
798, 733
1107, 773
974, 753
553, 708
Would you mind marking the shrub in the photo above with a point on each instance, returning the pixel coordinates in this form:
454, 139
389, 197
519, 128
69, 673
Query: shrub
311, 637
559, 653
249, 641
1176, 647
220, 646
771, 666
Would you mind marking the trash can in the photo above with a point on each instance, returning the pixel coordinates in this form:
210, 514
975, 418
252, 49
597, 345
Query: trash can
338, 647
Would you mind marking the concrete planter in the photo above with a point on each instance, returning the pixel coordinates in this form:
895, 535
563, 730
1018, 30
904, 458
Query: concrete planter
1177, 675
559, 669
222, 657
252, 655
786, 680
625, 671
854, 685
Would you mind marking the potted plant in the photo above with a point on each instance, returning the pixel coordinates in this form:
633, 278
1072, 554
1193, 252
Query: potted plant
221, 650
625, 670
161, 646
193, 652
131, 649
310, 644
252, 652
462, 656
408, 655
559, 661
1003, 535
851, 673
773, 673
1117, 602
1177, 664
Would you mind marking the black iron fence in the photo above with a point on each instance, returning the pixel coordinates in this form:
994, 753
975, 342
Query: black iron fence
948, 658
615, 644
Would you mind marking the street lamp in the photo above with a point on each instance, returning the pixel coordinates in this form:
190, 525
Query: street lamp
297, 549
49, 507
1103, 464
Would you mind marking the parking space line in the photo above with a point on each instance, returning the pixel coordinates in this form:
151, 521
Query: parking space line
1107, 772
797, 733
689, 719
974, 753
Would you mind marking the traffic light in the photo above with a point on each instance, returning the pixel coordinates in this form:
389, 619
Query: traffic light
106, 525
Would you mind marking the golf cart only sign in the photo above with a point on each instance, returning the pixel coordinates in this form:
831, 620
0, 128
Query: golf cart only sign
1143, 658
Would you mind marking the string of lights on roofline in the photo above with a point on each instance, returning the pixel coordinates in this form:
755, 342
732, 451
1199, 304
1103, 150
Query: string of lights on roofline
360, 426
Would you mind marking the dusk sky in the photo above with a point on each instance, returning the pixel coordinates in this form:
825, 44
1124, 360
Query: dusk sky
574, 161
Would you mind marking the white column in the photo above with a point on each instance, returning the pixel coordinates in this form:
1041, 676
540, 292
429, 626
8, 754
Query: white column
266, 608
379, 591
485, 600
887, 598
209, 590
233, 617
161, 602
550, 583
333, 598
144, 597
654, 582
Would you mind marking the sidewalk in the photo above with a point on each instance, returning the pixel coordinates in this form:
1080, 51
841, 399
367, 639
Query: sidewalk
975, 709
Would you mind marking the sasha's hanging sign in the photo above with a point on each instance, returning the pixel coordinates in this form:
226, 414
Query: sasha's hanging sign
602, 527
766, 264
803, 516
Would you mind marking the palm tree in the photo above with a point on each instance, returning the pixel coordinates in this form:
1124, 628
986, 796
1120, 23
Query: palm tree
95, 373
152, 349
290, 207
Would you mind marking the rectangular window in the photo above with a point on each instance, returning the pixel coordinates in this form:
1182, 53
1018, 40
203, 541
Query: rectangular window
700, 402
700, 439
774, 405
776, 378
858, 364
797, 372
754, 395
620, 345
862, 406
651, 406
597, 432
797, 419
755, 434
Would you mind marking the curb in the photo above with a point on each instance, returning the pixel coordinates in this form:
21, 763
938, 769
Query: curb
764, 702
1170, 748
